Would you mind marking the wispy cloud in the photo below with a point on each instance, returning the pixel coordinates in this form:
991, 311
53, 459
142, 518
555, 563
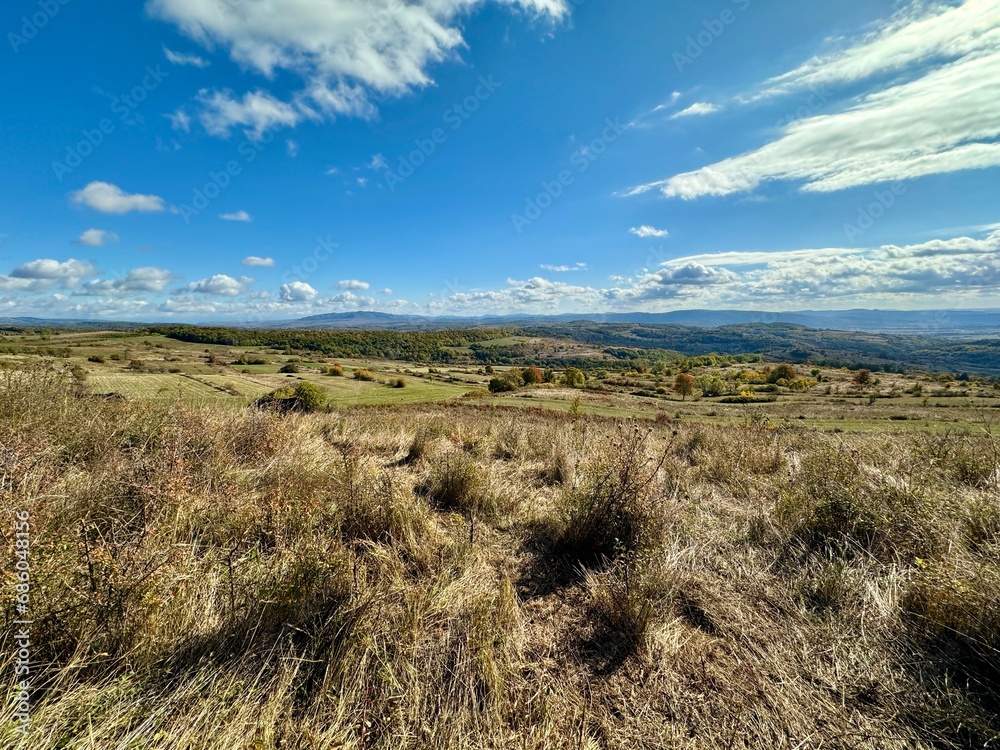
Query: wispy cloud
564, 269
258, 262
179, 58
943, 116
697, 109
646, 231
237, 216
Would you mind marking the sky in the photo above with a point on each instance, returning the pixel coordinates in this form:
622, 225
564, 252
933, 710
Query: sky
253, 160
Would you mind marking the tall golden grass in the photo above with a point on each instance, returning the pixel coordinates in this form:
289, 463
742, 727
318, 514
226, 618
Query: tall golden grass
459, 577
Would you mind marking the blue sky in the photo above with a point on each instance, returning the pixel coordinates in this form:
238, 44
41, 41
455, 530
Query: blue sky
247, 160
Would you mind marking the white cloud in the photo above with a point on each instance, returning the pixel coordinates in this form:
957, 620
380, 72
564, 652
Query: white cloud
297, 291
44, 274
220, 285
257, 112
146, 280
957, 272
674, 97
179, 58
253, 260
378, 162
564, 269
353, 284
697, 109
97, 238
387, 291
292, 147
236, 216
646, 231
942, 116
111, 199
179, 120
919, 33
342, 49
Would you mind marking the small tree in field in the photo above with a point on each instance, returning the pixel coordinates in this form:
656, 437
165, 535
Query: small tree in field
782, 372
684, 385
532, 375
289, 368
574, 378
862, 378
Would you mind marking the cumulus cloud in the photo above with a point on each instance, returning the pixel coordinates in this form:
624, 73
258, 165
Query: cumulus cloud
145, 280
179, 58
236, 216
220, 285
697, 109
297, 291
341, 49
646, 231
256, 112
256, 261
938, 111
961, 271
353, 284
97, 238
44, 274
111, 199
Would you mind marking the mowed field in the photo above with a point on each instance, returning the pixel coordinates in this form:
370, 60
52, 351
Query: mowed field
153, 367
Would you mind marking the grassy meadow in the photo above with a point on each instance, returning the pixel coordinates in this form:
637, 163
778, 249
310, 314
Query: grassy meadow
595, 569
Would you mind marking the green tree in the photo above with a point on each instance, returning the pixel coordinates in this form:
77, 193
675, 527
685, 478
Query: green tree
574, 378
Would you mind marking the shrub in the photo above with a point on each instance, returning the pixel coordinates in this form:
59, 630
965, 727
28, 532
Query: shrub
289, 368
862, 378
574, 378
844, 503
501, 385
365, 375
399, 383
96, 358
782, 372
305, 397
336, 371
532, 375
455, 483
616, 510
310, 397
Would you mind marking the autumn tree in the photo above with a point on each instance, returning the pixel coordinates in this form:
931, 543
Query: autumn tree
684, 385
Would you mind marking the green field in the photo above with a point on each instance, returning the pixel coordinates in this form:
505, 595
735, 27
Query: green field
153, 367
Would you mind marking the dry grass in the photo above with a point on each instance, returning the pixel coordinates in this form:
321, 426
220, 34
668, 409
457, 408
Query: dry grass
394, 578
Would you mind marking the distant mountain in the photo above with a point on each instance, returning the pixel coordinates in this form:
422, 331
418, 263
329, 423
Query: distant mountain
935, 323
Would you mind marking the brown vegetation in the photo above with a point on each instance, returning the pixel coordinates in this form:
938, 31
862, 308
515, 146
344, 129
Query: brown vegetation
466, 577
